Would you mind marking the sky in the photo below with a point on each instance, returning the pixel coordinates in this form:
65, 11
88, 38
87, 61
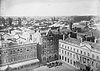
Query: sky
49, 7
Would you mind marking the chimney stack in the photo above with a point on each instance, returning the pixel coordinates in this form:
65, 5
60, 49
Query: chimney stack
69, 34
63, 37
95, 40
70, 25
92, 34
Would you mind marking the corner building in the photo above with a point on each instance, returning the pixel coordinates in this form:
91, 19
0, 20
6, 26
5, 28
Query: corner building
81, 55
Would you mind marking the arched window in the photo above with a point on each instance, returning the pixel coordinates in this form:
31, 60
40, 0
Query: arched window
44, 58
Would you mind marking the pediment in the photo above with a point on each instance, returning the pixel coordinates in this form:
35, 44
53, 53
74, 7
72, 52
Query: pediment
86, 46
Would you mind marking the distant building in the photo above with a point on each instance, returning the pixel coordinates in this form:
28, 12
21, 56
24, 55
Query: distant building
84, 55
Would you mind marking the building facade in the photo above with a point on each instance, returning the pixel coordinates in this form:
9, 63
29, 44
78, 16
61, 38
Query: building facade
19, 57
81, 55
48, 50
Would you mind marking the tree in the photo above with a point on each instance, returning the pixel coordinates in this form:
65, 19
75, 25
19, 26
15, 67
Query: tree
9, 21
19, 21
2, 23
82, 18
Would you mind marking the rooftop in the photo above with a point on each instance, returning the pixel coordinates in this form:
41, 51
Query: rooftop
95, 46
73, 40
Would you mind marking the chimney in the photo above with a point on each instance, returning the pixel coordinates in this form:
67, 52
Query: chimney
70, 25
95, 40
58, 29
81, 39
69, 35
92, 34
63, 36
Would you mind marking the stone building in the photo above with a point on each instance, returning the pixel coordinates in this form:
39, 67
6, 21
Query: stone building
83, 55
19, 57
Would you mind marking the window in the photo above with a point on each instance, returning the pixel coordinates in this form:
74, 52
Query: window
17, 49
97, 57
68, 47
5, 51
62, 51
68, 53
65, 52
92, 63
92, 55
77, 50
68, 60
84, 53
27, 49
62, 57
96, 65
11, 52
88, 54
30, 37
71, 48
81, 52
44, 58
74, 49
65, 47
77, 57
65, 58
21, 50
74, 56
74, 63
62, 45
